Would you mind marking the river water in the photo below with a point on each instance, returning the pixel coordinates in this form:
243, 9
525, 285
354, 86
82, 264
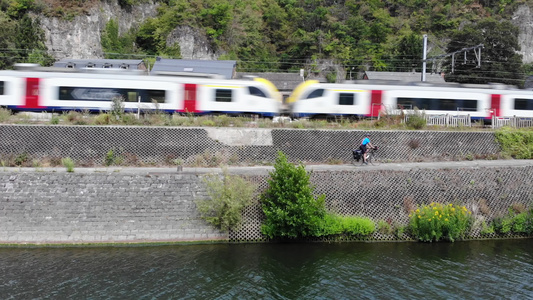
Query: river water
465, 270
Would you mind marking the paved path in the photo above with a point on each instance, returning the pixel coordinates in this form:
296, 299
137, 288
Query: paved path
265, 169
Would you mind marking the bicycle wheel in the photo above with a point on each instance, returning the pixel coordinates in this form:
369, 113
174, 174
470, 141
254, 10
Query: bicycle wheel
373, 160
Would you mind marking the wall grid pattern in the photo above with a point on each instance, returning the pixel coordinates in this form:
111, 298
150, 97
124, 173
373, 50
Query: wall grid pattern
148, 146
42, 207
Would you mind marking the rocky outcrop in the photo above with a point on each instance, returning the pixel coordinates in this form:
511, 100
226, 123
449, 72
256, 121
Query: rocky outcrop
193, 43
80, 38
524, 20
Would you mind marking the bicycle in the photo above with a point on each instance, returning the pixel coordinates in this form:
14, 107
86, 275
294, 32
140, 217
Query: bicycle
372, 159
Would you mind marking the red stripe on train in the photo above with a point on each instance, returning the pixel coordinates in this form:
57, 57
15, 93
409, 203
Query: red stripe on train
190, 93
495, 106
375, 103
31, 97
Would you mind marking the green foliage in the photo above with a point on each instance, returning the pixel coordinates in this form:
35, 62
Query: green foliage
228, 196
117, 107
5, 114
514, 222
416, 120
517, 143
500, 53
289, 205
346, 225
109, 158
21, 159
68, 163
435, 222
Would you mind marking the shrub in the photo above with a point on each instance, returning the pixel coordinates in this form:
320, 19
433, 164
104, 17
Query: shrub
517, 143
514, 222
416, 121
5, 114
68, 163
228, 196
289, 205
437, 221
347, 225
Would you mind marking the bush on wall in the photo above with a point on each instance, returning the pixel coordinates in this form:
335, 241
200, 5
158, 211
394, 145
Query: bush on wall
289, 205
228, 196
436, 221
293, 211
517, 143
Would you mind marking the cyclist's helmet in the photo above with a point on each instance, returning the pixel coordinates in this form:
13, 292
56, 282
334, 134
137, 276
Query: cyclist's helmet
367, 134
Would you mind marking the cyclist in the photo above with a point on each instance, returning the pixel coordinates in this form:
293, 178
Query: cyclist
365, 146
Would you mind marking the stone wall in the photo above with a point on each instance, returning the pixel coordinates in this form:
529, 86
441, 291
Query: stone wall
101, 207
106, 206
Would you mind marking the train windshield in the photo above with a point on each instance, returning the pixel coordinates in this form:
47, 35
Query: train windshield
315, 94
256, 92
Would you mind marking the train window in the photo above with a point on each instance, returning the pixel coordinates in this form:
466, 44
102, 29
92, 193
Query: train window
108, 94
468, 105
523, 104
437, 104
406, 103
89, 93
223, 95
156, 96
1, 87
256, 92
346, 99
316, 94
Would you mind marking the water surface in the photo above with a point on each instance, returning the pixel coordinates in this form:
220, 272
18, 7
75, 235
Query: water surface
468, 270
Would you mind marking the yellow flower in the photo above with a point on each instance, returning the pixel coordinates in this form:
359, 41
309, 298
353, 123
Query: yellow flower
450, 205
453, 209
417, 210
446, 219
436, 213
419, 217
469, 212
435, 208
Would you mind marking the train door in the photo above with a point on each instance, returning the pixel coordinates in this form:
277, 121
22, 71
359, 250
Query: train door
495, 106
190, 98
375, 103
31, 96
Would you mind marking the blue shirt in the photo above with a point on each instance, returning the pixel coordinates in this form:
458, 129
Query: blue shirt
365, 141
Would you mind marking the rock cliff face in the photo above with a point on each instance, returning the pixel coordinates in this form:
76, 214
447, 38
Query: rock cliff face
80, 38
524, 20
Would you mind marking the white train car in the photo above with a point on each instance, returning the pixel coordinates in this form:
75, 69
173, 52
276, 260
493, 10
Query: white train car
38, 90
370, 99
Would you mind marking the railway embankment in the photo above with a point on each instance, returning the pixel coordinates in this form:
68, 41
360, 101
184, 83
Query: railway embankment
118, 204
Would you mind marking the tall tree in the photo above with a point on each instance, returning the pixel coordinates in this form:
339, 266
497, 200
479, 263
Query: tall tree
499, 59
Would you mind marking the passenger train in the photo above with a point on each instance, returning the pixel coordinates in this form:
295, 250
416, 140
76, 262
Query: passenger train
40, 89
33, 88
371, 99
